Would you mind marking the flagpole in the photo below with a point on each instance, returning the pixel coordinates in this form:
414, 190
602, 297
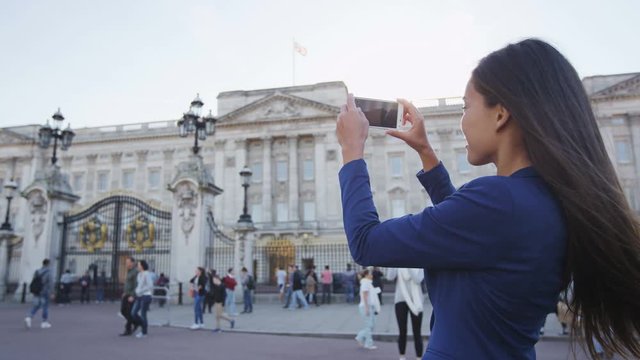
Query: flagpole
293, 61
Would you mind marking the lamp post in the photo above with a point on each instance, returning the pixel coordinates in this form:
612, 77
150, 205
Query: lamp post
192, 122
65, 136
245, 174
9, 190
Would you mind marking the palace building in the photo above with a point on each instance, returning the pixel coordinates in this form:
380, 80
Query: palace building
138, 189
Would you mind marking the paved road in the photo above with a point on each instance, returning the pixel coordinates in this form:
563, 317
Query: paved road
82, 332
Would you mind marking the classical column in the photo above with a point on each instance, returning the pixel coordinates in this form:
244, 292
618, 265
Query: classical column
267, 191
219, 175
320, 179
141, 171
116, 168
294, 214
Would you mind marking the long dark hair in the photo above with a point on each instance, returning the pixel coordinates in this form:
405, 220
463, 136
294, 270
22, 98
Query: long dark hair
546, 98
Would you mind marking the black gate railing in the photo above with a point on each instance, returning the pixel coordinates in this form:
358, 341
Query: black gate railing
100, 238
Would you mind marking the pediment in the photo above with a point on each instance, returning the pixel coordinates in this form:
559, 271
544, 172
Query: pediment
8, 137
629, 87
279, 107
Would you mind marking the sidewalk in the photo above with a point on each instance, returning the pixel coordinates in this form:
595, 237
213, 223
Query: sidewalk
338, 320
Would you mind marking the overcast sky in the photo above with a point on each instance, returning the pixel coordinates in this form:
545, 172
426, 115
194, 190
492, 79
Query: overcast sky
118, 62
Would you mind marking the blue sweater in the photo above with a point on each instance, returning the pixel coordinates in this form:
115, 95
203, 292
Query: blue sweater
493, 253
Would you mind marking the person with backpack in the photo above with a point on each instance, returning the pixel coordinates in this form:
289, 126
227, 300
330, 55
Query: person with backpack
248, 285
40, 287
230, 283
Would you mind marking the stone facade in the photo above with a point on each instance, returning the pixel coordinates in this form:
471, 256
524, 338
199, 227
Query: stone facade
287, 137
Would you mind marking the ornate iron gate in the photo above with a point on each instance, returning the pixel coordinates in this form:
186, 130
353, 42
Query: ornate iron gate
100, 238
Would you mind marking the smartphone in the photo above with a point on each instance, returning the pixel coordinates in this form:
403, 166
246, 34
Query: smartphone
380, 113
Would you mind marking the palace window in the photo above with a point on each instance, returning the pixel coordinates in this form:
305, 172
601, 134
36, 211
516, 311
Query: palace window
398, 208
154, 178
623, 151
256, 169
78, 182
462, 163
282, 212
308, 170
127, 179
395, 164
281, 171
103, 181
309, 209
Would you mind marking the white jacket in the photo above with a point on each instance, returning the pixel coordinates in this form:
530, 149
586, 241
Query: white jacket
408, 287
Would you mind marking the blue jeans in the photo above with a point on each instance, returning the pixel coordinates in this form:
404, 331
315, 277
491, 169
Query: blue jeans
141, 304
230, 302
296, 296
248, 306
287, 296
197, 308
365, 335
100, 294
40, 301
348, 291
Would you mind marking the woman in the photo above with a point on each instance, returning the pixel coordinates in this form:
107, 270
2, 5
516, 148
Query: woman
219, 292
367, 309
408, 302
198, 282
499, 250
144, 289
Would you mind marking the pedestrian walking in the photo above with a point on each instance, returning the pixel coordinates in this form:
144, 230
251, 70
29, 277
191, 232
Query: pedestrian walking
230, 284
40, 287
288, 289
144, 289
408, 302
198, 285
296, 294
219, 293
501, 248
326, 277
129, 296
368, 310
281, 278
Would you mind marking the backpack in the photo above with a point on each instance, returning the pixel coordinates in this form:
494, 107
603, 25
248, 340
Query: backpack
207, 285
251, 284
36, 284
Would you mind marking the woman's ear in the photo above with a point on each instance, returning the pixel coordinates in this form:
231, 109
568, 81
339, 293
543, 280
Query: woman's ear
502, 117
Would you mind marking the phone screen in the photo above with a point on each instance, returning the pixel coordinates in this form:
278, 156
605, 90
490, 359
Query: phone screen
379, 113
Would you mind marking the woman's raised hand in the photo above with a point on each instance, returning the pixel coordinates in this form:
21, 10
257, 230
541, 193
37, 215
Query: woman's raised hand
352, 130
416, 137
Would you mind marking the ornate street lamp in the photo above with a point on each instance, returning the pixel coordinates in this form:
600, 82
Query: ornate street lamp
46, 133
9, 190
245, 174
192, 122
